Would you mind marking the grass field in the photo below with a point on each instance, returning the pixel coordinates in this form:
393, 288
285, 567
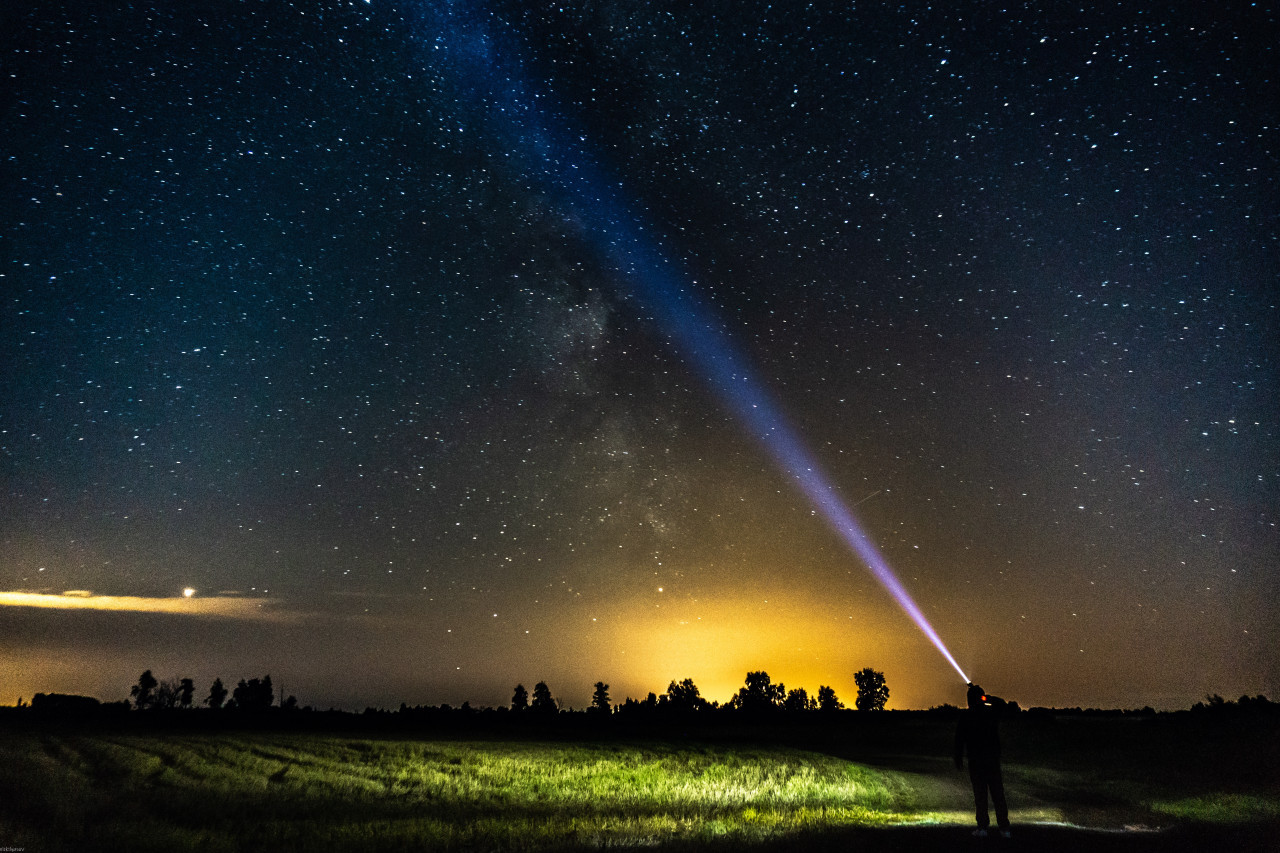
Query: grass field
70, 790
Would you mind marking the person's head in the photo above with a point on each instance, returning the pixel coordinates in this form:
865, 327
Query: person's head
976, 696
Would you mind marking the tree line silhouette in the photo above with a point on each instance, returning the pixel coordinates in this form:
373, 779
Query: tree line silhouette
254, 695
759, 694
759, 697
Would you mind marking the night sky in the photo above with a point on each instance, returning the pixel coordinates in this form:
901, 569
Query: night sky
362, 320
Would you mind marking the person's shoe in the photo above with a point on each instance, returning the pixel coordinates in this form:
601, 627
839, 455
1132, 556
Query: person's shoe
979, 833
1004, 833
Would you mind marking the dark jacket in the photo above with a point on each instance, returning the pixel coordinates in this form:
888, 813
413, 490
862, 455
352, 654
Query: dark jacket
978, 732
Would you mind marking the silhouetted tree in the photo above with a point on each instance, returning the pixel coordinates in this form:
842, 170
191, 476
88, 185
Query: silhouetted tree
166, 695
254, 695
827, 700
542, 701
1212, 702
759, 694
600, 699
685, 696
143, 692
798, 700
520, 699
873, 693
217, 695
186, 690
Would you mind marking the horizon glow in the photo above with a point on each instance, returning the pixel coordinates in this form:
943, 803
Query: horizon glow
230, 607
486, 71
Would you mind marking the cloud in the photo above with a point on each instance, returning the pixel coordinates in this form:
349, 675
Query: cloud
219, 607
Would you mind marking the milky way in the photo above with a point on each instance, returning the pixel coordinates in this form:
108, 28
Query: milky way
293, 318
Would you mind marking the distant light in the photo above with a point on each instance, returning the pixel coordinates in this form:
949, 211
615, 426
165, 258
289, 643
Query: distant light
188, 592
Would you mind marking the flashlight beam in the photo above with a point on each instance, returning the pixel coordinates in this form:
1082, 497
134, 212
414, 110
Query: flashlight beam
726, 372
487, 70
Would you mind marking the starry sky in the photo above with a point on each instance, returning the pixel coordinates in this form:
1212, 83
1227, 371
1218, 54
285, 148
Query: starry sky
363, 321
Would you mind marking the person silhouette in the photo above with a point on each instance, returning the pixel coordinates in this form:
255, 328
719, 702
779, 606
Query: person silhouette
978, 734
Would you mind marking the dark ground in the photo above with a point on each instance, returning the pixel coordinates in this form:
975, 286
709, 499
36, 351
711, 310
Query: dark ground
1104, 758
1259, 838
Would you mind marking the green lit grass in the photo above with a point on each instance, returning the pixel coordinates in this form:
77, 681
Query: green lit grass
1220, 808
274, 791
214, 792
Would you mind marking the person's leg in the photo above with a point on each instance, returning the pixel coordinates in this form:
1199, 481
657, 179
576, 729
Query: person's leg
995, 781
978, 778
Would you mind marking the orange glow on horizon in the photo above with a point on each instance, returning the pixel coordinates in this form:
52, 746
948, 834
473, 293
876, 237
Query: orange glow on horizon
799, 641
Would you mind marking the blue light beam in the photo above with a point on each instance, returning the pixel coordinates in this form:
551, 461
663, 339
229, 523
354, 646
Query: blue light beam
487, 73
